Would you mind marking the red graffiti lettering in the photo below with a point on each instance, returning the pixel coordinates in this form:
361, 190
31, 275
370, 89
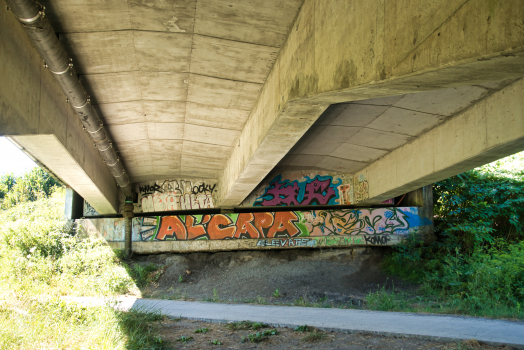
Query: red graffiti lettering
195, 231
283, 226
245, 227
171, 227
218, 227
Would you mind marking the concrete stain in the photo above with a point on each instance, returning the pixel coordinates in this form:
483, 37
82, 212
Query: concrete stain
304, 85
381, 69
493, 4
346, 74
172, 26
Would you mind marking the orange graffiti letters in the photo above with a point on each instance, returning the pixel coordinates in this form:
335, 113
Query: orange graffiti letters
218, 227
171, 227
283, 226
245, 227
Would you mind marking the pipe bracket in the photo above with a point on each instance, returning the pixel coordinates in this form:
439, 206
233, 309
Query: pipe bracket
103, 150
115, 163
62, 72
40, 14
82, 106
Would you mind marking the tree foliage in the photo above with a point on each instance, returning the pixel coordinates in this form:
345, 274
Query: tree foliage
31, 186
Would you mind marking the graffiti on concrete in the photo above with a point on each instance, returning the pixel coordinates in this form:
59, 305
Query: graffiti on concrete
319, 190
287, 243
281, 225
361, 190
89, 210
176, 195
353, 222
229, 226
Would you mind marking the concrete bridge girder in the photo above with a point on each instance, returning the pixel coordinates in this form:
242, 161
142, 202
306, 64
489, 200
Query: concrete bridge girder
34, 113
334, 52
354, 51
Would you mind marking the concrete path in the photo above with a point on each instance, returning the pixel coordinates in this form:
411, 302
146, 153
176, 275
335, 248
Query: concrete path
453, 327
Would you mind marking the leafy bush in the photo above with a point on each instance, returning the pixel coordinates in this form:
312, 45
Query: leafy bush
477, 262
38, 254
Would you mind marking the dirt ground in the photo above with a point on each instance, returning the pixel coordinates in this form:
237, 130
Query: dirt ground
335, 277
172, 331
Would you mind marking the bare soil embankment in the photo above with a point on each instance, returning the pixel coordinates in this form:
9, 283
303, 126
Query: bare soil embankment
336, 277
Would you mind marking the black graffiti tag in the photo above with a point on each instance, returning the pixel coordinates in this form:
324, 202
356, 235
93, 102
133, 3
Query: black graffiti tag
150, 189
203, 188
382, 240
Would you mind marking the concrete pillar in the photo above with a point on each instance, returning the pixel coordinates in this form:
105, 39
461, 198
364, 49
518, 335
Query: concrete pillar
74, 205
128, 217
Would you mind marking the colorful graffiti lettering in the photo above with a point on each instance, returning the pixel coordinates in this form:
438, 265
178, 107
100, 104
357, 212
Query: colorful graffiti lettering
353, 222
320, 190
176, 195
288, 224
222, 226
329, 227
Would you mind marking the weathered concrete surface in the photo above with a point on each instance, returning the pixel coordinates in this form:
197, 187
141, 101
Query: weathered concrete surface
224, 91
34, 113
342, 51
174, 80
264, 244
485, 132
350, 136
446, 327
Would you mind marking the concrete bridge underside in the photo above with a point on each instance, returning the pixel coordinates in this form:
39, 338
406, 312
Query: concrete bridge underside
401, 94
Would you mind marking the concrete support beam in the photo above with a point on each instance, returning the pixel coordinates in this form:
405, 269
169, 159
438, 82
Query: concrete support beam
74, 205
340, 51
35, 115
487, 131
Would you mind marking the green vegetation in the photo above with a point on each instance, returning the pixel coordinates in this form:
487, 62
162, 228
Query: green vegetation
42, 258
259, 336
144, 275
202, 330
33, 185
276, 293
184, 339
313, 337
476, 266
304, 328
215, 342
245, 325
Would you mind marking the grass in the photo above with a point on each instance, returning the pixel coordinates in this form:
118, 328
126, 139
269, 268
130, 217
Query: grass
245, 325
144, 275
259, 336
313, 337
42, 260
304, 328
475, 298
54, 324
202, 330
